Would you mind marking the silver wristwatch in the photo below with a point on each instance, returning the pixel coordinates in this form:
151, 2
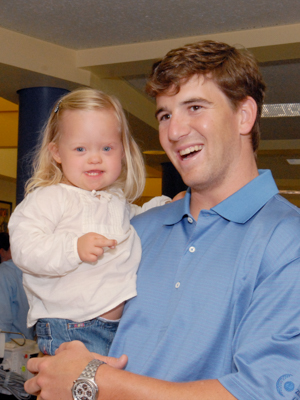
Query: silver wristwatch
85, 387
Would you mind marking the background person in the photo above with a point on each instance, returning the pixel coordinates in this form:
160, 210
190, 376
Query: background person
13, 300
5, 253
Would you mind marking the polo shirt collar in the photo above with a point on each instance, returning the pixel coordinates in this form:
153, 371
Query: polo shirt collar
247, 201
239, 207
178, 209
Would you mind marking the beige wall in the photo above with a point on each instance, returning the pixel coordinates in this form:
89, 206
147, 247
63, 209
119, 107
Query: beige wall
8, 190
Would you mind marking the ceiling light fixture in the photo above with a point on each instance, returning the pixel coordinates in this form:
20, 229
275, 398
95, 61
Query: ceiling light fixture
293, 161
154, 152
281, 110
289, 191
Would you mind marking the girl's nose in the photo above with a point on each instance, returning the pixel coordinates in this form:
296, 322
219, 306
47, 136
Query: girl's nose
95, 158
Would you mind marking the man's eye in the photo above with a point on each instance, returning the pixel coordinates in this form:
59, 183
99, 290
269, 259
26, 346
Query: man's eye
106, 148
195, 108
165, 117
80, 149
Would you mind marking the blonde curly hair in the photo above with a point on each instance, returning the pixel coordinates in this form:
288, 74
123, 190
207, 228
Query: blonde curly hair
46, 171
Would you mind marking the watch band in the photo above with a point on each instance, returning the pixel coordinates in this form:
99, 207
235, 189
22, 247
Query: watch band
90, 370
85, 387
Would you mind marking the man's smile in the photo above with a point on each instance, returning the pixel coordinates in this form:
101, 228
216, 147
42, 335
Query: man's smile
190, 151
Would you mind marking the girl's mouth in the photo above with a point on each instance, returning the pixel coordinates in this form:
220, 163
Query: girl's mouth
93, 173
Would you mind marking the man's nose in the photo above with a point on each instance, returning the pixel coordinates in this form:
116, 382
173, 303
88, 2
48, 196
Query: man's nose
178, 127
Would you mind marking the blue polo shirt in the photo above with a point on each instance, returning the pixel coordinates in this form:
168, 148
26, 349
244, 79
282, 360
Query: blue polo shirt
219, 298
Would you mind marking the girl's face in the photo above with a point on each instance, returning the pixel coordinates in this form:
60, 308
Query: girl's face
90, 149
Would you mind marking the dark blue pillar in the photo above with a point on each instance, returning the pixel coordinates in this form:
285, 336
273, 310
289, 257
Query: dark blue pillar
35, 105
172, 182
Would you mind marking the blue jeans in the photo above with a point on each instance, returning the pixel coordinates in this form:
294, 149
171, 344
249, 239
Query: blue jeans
97, 334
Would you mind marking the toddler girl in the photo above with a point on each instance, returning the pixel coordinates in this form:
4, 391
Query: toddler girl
71, 235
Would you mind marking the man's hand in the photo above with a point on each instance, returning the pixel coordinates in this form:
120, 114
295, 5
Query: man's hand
90, 246
55, 374
179, 196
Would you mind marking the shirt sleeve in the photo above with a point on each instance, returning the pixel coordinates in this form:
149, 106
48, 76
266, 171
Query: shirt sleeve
155, 202
37, 248
266, 346
6, 300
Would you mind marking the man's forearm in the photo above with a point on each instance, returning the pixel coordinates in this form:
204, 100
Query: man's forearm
116, 384
54, 377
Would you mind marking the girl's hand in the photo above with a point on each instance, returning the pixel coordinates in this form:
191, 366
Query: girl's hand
90, 246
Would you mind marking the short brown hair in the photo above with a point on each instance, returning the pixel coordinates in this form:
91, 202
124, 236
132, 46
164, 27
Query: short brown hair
235, 72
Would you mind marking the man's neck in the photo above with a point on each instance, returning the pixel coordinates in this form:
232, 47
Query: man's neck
205, 199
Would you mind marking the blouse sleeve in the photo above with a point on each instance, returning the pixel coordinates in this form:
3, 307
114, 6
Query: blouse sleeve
155, 202
37, 249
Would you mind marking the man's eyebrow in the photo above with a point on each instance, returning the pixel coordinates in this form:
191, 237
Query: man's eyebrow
185, 102
195, 100
159, 111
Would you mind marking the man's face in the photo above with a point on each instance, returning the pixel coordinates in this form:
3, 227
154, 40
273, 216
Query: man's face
200, 132
4, 255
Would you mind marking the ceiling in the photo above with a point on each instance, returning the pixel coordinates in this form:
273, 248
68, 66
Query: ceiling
78, 24
111, 44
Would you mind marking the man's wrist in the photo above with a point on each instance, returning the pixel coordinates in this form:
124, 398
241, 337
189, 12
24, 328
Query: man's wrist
85, 387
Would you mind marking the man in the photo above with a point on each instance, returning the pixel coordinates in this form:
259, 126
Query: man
217, 315
13, 300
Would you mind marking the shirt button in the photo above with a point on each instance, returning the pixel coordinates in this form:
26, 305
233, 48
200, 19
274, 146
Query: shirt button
190, 220
177, 285
192, 249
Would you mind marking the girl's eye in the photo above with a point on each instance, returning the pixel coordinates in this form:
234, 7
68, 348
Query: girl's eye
106, 148
80, 149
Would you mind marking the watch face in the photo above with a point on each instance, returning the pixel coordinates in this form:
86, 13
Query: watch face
84, 390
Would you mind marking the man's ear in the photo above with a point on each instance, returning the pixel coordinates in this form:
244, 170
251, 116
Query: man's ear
248, 110
53, 148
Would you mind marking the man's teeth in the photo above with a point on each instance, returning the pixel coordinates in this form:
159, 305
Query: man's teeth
190, 150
